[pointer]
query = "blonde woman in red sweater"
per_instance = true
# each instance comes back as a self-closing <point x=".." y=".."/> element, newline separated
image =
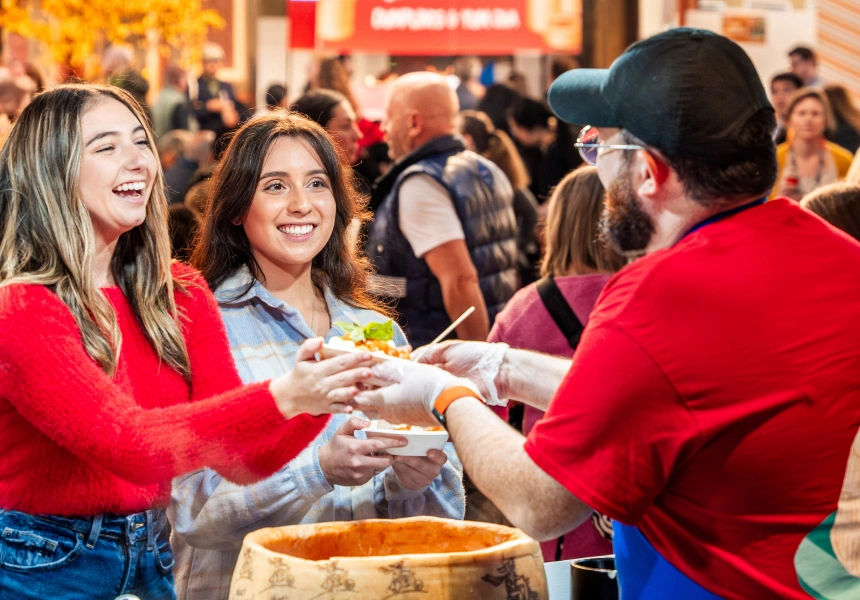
<point x="115" y="370"/>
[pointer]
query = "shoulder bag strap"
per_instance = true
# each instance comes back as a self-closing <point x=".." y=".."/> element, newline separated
<point x="566" y="320"/>
<point x="560" y="310"/>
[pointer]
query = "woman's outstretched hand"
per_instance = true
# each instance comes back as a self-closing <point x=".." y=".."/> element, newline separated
<point x="319" y="387"/>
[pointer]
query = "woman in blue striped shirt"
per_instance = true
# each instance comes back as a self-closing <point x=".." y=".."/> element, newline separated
<point x="274" y="248"/>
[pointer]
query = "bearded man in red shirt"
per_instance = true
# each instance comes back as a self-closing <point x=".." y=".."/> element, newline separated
<point x="711" y="405"/>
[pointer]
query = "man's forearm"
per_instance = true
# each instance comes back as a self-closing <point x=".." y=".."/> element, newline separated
<point x="458" y="295"/>
<point x="451" y="264"/>
<point x="531" y="377"/>
<point x="493" y="455"/>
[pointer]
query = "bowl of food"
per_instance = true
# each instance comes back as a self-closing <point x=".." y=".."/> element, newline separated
<point x="376" y="338"/>
<point x="419" y="440"/>
<point x="416" y="558"/>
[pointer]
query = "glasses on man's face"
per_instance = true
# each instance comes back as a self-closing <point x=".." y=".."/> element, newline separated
<point x="589" y="144"/>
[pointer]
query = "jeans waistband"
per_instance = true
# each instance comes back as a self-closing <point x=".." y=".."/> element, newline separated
<point x="132" y="528"/>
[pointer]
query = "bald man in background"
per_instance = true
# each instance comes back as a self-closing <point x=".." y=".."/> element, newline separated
<point x="444" y="234"/>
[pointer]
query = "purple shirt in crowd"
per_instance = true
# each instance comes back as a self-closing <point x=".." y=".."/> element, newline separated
<point x="526" y="323"/>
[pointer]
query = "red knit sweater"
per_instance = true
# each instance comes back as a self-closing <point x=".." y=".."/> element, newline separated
<point x="76" y="442"/>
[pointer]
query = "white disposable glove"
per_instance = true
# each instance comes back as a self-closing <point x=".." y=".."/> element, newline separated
<point x="415" y="388"/>
<point x="479" y="362"/>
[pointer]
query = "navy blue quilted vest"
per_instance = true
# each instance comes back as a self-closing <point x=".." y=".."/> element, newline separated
<point x="483" y="198"/>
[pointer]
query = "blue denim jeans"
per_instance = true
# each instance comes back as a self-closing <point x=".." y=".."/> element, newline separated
<point x="45" y="557"/>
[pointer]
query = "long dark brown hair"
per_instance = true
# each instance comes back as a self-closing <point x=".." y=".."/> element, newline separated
<point x="318" y="105"/>
<point x="223" y="247"/>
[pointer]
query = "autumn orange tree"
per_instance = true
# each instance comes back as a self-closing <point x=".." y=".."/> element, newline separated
<point x="75" y="32"/>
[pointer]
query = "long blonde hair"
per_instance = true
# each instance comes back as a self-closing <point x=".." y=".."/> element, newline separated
<point x="48" y="237"/>
<point x="573" y="225"/>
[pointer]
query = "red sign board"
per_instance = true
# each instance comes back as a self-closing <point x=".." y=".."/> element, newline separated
<point x="422" y="27"/>
<point x="302" y="24"/>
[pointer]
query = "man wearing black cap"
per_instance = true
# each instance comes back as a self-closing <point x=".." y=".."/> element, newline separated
<point x="714" y="397"/>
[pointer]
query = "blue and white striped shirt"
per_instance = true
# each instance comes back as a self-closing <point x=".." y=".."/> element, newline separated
<point x="211" y="516"/>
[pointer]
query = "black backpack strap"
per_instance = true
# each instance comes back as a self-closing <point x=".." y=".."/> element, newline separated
<point x="560" y="310"/>
<point x="567" y="321"/>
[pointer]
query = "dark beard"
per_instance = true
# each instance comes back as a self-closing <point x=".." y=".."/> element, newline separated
<point x="625" y="226"/>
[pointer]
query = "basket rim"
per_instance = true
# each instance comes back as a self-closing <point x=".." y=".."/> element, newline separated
<point x="518" y="545"/>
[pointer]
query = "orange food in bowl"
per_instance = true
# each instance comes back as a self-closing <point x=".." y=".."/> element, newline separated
<point x="378" y="346"/>
<point x="403" y="427"/>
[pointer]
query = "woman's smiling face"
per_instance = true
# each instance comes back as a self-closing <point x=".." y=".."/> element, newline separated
<point x="118" y="169"/>
<point x="292" y="215"/>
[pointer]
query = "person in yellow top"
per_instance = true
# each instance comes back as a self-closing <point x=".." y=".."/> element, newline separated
<point x="808" y="161"/>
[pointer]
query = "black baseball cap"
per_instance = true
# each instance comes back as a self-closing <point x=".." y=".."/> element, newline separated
<point x="686" y="92"/>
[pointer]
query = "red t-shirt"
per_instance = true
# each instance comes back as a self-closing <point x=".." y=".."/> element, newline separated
<point x="715" y="395"/>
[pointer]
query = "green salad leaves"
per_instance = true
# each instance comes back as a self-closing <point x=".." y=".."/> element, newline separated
<point x="371" y="331"/>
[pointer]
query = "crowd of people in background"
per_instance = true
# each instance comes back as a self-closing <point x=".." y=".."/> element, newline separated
<point x="818" y="129"/>
<point x="818" y="132"/>
<point x="826" y="118"/>
<point x="462" y="195"/>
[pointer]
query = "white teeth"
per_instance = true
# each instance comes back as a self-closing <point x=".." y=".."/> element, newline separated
<point x="297" y="230"/>
<point x="130" y="187"/>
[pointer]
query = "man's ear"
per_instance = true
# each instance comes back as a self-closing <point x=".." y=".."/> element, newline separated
<point x="415" y="123"/>
<point x="655" y="172"/>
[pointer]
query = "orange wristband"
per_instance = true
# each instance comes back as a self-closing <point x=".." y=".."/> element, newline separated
<point x="448" y="396"/>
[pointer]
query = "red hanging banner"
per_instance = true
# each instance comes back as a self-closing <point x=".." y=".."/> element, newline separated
<point x="302" y="14"/>
<point x="426" y="27"/>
